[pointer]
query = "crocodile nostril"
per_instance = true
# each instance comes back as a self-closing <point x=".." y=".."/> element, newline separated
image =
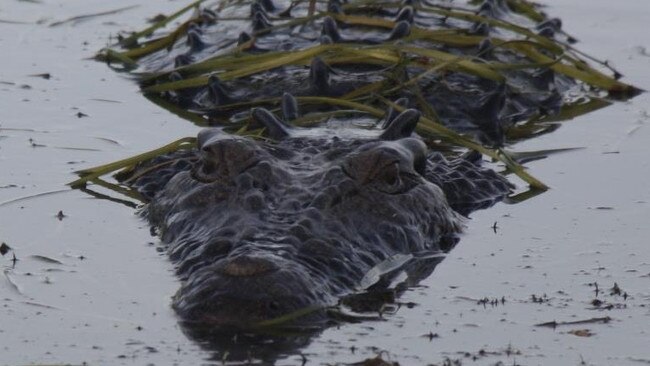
<point x="247" y="266"/>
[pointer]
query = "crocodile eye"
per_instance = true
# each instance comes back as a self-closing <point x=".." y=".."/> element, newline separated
<point x="223" y="156"/>
<point x="382" y="167"/>
<point x="389" y="179"/>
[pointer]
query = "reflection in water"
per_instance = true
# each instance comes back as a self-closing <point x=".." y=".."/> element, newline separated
<point x="249" y="347"/>
<point x="266" y="345"/>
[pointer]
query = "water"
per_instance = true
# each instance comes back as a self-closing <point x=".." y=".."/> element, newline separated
<point x="107" y="301"/>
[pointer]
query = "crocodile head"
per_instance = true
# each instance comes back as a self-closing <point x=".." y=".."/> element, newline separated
<point x="280" y="230"/>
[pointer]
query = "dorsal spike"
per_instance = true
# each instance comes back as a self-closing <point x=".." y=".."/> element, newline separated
<point x="485" y="48"/>
<point x="319" y="75"/>
<point x="402" y="126"/>
<point x="501" y="6"/>
<point x="195" y="27"/>
<point x="407" y="14"/>
<point x="472" y="156"/>
<point x="175" y="76"/>
<point x="182" y="60"/>
<point x="194" y="41"/>
<point x="275" y="128"/>
<point x="286" y="13"/>
<point x="216" y="91"/>
<point x="487" y="10"/>
<point x="267" y="4"/>
<point x="544" y="79"/>
<point x="207" y="15"/>
<point x="260" y="22"/>
<point x="488" y="118"/>
<point x="256" y="7"/>
<point x="418" y="151"/>
<point x="391" y="113"/>
<point x="554" y="23"/>
<point x="334" y="6"/>
<point x="177" y="96"/>
<point x="243" y="38"/>
<point x="325" y="40"/>
<point x="494" y="103"/>
<point x="331" y="29"/>
<point x="289" y="107"/>
<point x="401" y="30"/>
<point x="480" y="29"/>
<point x="547" y="32"/>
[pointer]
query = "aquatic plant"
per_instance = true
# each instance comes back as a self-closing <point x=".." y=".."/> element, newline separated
<point x="421" y="52"/>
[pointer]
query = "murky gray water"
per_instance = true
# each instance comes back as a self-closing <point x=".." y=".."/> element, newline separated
<point x="106" y="299"/>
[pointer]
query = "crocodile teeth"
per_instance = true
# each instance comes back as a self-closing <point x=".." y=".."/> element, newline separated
<point x="194" y="41"/>
<point x="216" y="92"/>
<point x="407" y="14"/>
<point x="289" y="107"/>
<point x="401" y="30"/>
<point x="402" y="126"/>
<point x="330" y="29"/>
<point x="319" y="76"/>
<point x="260" y="22"/>
<point x="275" y="128"/>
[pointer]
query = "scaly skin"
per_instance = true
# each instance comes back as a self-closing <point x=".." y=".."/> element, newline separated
<point x="262" y="229"/>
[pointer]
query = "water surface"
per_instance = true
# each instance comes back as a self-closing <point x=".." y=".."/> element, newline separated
<point x="105" y="297"/>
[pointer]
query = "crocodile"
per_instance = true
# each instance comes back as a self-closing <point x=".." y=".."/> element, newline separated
<point x="288" y="221"/>
<point x="262" y="229"/>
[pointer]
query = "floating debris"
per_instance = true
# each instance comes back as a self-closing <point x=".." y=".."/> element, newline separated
<point x="4" y="248"/>
<point x="555" y="324"/>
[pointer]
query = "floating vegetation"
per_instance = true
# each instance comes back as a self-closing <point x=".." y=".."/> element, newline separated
<point x="207" y="63"/>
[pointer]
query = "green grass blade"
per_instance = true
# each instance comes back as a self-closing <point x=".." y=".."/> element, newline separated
<point x="90" y="174"/>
